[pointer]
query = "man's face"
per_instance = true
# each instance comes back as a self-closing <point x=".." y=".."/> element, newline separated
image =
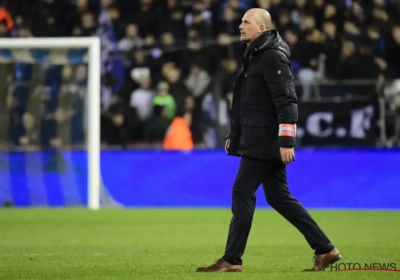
<point x="249" y="29"/>
<point x="82" y="3"/>
<point x="329" y="28"/>
<point x="132" y="30"/>
<point x="163" y="88"/>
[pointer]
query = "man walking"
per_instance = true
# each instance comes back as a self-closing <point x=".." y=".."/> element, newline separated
<point x="263" y="130"/>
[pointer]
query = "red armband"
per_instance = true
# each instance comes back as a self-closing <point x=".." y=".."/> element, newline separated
<point x="287" y="130"/>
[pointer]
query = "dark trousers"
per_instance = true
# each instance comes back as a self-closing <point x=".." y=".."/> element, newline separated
<point x="272" y="176"/>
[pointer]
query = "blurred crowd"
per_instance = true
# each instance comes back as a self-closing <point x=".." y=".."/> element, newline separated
<point x="167" y="59"/>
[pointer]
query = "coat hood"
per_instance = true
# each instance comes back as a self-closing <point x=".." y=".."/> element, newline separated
<point x="268" y="40"/>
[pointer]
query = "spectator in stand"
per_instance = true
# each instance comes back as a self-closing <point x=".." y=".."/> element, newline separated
<point x="178" y="135"/>
<point x="157" y="126"/>
<point x="165" y="99"/>
<point x="6" y="22"/>
<point x="142" y="101"/>
<point x="132" y="40"/>
<point x="177" y="88"/>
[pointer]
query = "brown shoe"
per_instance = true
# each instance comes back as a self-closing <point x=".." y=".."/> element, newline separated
<point x="323" y="261"/>
<point x="220" y="266"/>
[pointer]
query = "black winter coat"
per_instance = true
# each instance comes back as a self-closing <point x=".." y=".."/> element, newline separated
<point x="264" y="97"/>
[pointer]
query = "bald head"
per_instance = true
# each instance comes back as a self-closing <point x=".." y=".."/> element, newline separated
<point x="262" y="17"/>
<point x="254" y="22"/>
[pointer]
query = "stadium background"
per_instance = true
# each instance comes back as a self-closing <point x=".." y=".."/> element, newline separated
<point x="345" y="57"/>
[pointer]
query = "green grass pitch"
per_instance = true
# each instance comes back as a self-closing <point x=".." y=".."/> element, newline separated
<point x="170" y="244"/>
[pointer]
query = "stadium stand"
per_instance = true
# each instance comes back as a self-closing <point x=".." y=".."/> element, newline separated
<point x="162" y="57"/>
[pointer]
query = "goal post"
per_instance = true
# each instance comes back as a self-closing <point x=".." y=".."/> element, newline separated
<point x="92" y="44"/>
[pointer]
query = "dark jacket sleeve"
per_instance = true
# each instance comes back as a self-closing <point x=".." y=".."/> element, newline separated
<point x="235" y="118"/>
<point x="235" y="121"/>
<point x="278" y="76"/>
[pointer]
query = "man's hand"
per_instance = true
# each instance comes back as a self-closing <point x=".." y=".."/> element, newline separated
<point x="227" y="142"/>
<point x="287" y="155"/>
